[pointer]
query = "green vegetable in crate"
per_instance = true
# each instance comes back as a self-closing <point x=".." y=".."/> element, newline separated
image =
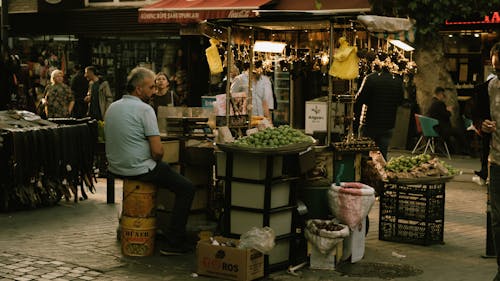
<point x="273" y="138"/>
<point x="418" y="166"/>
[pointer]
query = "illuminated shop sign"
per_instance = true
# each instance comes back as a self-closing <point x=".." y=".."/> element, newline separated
<point x="494" y="18"/>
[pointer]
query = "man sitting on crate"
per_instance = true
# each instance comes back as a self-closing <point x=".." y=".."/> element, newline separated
<point x="134" y="150"/>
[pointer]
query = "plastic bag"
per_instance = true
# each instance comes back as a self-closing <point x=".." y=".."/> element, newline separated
<point x="324" y="239"/>
<point x="345" y="61"/>
<point x="260" y="239"/>
<point x="351" y="202"/>
<point x="213" y="58"/>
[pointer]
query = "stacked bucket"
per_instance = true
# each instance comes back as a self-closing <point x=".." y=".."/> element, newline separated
<point x="138" y="220"/>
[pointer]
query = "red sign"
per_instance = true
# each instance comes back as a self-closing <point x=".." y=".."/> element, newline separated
<point x="191" y="16"/>
<point x="494" y="18"/>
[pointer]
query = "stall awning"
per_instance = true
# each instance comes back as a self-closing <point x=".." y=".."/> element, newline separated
<point x="389" y="27"/>
<point x="324" y="7"/>
<point x="186" y="11"/>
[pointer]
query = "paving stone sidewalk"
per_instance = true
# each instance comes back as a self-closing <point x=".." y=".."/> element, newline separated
<point x="78" y="242"/>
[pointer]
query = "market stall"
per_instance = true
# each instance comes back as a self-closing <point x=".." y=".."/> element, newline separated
<point x="43" y="161"/>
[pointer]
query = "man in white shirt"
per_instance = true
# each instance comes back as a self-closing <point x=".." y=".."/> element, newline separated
<point x="262" y="91"/>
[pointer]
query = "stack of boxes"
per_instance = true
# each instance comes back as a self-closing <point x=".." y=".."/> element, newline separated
<point x="195" y="162"/>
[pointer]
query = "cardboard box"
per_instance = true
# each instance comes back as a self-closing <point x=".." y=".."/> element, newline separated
<point x="166" y="199"/>
<point x="195" y="221"/>
<point x="229" y="262"/>
<point x="326" y="262"/>
<point x="171" y="151"/>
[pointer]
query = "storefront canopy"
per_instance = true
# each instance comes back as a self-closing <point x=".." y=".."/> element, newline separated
<point x="186" y="11"/>
<point x="324" y="7"/>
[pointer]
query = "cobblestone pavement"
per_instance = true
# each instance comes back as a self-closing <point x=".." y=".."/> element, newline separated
<point x="78" y="242"/>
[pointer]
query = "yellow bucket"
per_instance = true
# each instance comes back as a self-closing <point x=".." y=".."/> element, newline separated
<point x="139" y="199"/>
<point x="138" y="236"/>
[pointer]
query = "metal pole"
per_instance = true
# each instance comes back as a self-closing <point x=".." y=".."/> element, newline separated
<point x="330" y="92"/>
<point x="5" y="25"/>
<point x="250" y="82"/>
<point x="228" y="84"/>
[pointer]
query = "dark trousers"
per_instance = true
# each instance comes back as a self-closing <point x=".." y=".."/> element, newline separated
<point x="455" y="138"/>
<point x="494" y="194"/>
<point x="381" y="137"/>
<point x="485" y="151"/>
<point x="163" y="176"/>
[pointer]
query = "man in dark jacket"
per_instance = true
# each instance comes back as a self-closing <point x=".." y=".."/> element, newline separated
<point x="438" y="110"/>
<point x="79" y="87"/>
<point x="479" y="114"/>
<point x="382" y="92"/>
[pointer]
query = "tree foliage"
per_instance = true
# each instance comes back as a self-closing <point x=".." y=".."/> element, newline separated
<point x="430" y="15"/>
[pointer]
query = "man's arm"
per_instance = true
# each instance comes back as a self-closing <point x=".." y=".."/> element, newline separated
<point x="265" y="109"/>
<point x="156" y="147"/>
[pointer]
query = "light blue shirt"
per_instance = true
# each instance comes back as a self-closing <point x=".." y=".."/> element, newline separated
<point x="127" y="125"/>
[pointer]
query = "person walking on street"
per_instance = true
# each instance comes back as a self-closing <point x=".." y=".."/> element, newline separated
<point x="59" y="100"/>
<point x="99" y="96"/>
<point x="79" y="87"/>
<point x="479" y="114"/>
<point x="489" y="126"/>
<point x="134" y="150"/>
<point x="382" y="92"/>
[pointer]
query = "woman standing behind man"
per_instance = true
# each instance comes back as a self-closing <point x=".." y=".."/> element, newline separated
<point x="59" y="99"/>
<point x="164" y="95"/>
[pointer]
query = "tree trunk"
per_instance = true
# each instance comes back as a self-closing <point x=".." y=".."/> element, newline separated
<point x="432" y="72"/>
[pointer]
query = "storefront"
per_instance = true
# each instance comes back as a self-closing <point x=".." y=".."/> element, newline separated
<point x="466" y="46"/>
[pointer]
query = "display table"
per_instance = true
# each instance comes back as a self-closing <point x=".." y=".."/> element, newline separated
<point x="412" y="210"/>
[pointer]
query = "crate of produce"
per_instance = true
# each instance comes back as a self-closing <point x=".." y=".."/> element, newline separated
<point x="403" y="202"/>
<point x="418" y="187"/>
<point x="394" y="229"/>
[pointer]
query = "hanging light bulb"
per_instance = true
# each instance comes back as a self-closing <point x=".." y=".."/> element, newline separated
<point x="325" y="59"/>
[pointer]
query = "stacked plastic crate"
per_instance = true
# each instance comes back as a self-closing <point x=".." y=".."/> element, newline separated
<point x="257" y="194"/>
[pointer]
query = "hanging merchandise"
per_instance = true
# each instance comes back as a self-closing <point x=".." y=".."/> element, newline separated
<point x="345" y="61"/>
<point x="213" y="58"/>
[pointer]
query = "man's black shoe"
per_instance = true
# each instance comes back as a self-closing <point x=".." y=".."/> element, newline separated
<point x="481" y="174"/>
<point x="175" y="250"/>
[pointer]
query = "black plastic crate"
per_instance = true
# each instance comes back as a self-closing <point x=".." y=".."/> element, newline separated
<point x="410" y="231"/>
<point x="417" y="188"/>
<point x="413" y="207"/>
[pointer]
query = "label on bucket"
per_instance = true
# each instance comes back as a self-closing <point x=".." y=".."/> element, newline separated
<point x="137" y="236"/>
<point x="138" y="242"/>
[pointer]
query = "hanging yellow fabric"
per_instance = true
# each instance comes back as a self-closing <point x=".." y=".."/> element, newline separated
<point x="345" y="61"/>
<point x="213" y="58"/>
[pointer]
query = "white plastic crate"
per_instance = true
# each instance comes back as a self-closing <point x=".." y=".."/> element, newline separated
<point x="280" y="252"/>
<point x="248" y="166"/>
<point x="252" y="195"/>
<point x="243" y="221"/>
